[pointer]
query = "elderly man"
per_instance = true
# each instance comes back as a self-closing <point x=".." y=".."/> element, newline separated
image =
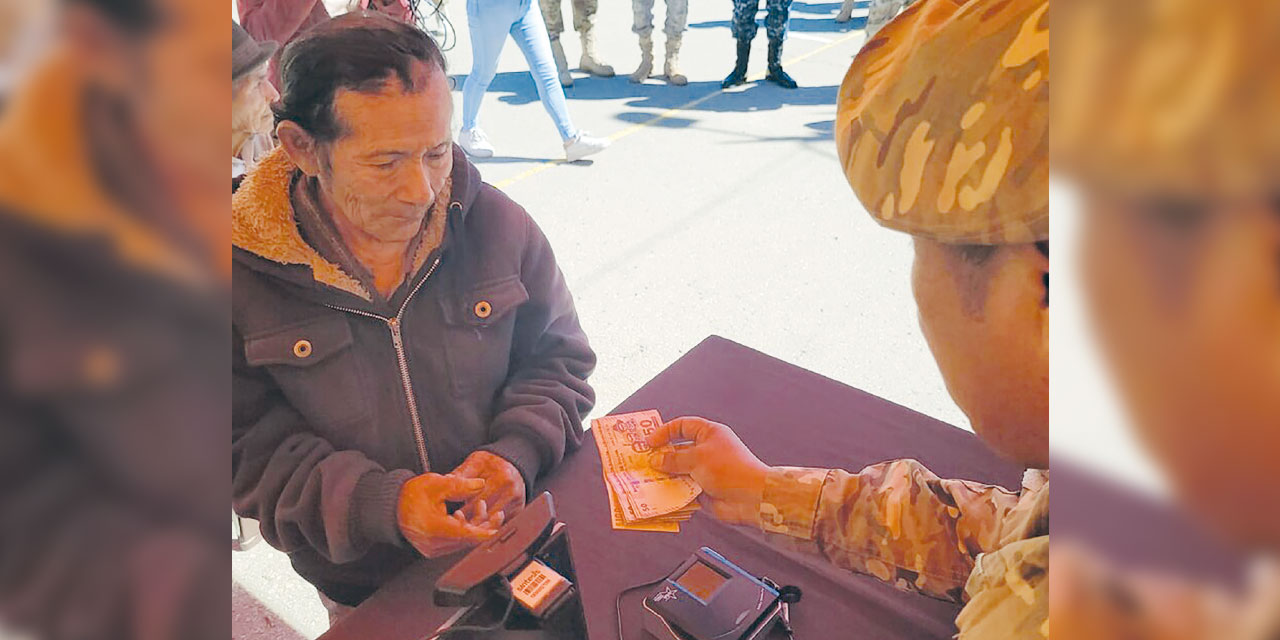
<point x="394" y="319"/>
<point x="114" y="258"/>
<point x="251" y="98"/>
<point x="960" y="161"/>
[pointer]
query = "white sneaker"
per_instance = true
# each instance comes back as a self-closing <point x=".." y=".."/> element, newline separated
<point x="582" y="146"/>
<point x="475" y="143"/>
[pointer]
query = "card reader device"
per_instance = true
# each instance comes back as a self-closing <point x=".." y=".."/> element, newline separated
<point x="708" y="597"/>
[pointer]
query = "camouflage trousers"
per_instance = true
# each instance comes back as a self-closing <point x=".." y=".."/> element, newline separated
<point x="584" y="16"/>
<point x="677" y="17"/>
<point x="744" y="25"/>
<point x="881" y="12"/>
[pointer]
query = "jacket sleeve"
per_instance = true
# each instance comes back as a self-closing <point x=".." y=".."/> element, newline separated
<point x="895" y="520"/>
<point x="78" y="552"/>
<point x="538" y="413"/>
<point x="303" y="492"/>
<point x="275" y="20"/>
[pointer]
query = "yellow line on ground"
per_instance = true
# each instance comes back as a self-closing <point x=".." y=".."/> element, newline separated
<point x="670" y="113"/>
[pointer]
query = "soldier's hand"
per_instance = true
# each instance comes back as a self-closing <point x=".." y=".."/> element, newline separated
<point x="732" y="478"/>
<point x="426" y="523"/>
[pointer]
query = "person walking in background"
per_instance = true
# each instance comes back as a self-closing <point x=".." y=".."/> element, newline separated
<point x="744" y="29"/>
<point x="282" y="20"/>
<point x="490" y="22"/>
<point x="584" y="19"/>
<point x="251" y="98"/>
<point x="677" y="22"/>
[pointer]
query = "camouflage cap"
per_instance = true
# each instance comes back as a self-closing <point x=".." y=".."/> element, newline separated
<point x="1169" y="95"/>
<point x="943" y="122"/>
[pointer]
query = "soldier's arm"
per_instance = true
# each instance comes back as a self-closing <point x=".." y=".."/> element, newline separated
<point x="895" y="520"/>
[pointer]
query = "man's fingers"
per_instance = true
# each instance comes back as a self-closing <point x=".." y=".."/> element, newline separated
<point x="680" y="429"/>
<point x="682" y="460"/>
<point x="458" y="489"/>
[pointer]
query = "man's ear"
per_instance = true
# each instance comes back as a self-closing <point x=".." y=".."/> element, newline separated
<point x="1033" y="256"/>
<point x="300" y="146"/>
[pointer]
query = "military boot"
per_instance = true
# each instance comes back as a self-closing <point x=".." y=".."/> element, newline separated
<point x="739" y="74"/>
<point x="562" y="65"/>
<point x="671" y="67"/>
<point x="590" y="61"/>
<point x="776" y="74"/>
<point x="645" y="69"/>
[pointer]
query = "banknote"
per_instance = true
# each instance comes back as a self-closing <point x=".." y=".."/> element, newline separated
<point x="641" y="493"/>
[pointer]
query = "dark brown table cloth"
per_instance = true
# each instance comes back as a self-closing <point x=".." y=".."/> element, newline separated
<point x="788" y="416"/>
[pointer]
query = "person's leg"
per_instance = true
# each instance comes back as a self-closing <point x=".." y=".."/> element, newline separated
<point x="879" y="14"/>
<point x="846" y="11"/>
<point x="642" y="25"/>
<point x="489" y="30"/>
<point x="743" y="26"/>
<point x="553" y="16"/>
<point x="584" y="20"/>
<point x="531" y="35"/>
<point x="775" y="23"/>
<point x="677" y="21"/>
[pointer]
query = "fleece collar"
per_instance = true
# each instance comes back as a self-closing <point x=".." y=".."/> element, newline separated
<point x="264" y="224"/>
<point x="47" y="176"/>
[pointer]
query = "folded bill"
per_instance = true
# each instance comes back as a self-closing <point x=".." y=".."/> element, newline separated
<point x="641" y="498"/>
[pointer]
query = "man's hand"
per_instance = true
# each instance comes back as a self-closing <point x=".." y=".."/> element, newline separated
<point x="732" y="478"/>
<point x="425" y="520"/>
<point x="503" y="487"/>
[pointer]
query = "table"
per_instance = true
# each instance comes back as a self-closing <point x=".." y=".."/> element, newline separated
<point x="788" y="416"/>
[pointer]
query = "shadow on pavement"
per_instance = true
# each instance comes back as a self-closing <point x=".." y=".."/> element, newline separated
<point x="516" y="87"/>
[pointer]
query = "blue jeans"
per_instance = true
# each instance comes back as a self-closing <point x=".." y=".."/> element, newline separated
<point x="490" y="21"/>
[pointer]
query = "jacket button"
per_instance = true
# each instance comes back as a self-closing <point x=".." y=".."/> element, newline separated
<point x="483" y="309"/>
<point x="302" y="348"/>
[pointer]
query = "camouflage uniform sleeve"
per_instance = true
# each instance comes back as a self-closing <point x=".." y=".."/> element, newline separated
<point x="895" y="520"/>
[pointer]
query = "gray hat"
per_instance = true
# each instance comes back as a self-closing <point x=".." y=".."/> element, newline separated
<point x="247" y="53"/>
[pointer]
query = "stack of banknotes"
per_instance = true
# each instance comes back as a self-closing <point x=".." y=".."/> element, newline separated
<point x="641" y="498"/>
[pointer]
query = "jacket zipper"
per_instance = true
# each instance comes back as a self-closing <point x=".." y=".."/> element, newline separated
<point x="402" y="359"/>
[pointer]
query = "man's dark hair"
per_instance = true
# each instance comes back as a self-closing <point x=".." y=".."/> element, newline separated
<point x="359" y="51"/>
<point x="132" y="16"/>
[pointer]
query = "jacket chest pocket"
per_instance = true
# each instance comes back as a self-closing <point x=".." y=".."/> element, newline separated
<point x="317" y="368"/>
<point x="479" y="328"/>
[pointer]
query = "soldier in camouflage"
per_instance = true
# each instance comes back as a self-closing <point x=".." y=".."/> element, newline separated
<point x="676" y="23"/>
<point x="584" y="19"/>
<point x="744" y="27"/>
<point x="959" y="160"/>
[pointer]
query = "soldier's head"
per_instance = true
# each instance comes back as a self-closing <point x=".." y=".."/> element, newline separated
<point x="956" y="154"/>
<point x="365" y="108"/>
<point x="1167" y="126"/>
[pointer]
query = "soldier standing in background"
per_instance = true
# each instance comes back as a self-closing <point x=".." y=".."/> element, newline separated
<point x="744" y="29"/>
<point x="676" y="23"/>
<point x="584" y="19"/>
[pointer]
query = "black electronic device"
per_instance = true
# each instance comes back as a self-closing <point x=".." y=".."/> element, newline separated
<point x="710" y="598"/>
<point x="526" y="563"/>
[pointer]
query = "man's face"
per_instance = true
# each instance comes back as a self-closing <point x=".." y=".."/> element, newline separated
<point x="382" y="174"/>
<point x="1187" y="303"/>
<point x="251" y="104"/>
<point x="985" y="316"/>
